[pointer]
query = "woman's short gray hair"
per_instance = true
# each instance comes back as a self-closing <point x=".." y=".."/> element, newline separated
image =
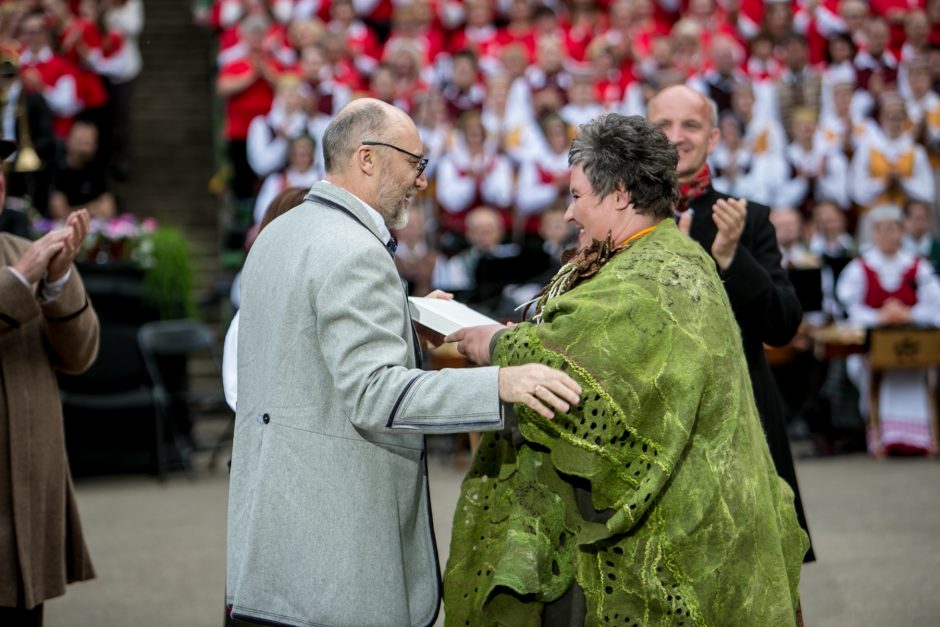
<point x="619" y="152"/>
<point x="347" y="131"/>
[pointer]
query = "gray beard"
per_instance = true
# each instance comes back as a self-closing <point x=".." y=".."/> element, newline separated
<point x="399" y="219"/>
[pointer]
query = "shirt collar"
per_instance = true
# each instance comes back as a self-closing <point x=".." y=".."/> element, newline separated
<point x="377" y="218"/>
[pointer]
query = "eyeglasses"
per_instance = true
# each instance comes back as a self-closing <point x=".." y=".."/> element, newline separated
<point x="422" y="161"/>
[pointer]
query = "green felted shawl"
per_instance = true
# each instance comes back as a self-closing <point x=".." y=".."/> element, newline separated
<point x="698" y="530"/>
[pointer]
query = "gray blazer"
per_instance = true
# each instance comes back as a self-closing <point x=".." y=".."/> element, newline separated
<point x="328" y="519"/>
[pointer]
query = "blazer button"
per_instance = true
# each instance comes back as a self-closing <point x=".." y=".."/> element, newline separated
<point x="266" y="419"/>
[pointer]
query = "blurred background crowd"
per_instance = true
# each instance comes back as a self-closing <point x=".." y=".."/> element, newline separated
<point x="177" y="134"/>
<point x="67" y="75"/>
<point x="827" y="109"/>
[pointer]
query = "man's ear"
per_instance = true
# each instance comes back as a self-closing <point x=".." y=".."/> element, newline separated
<point x="365" y="160"/>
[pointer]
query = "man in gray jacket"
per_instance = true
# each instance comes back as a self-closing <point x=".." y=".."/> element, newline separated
<point x="329" y="521"/>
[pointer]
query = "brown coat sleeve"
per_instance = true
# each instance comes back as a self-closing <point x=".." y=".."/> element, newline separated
<point x="71" y="327"/>
<point x="18" y="304"/>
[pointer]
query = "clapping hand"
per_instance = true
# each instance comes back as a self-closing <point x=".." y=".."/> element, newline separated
<point x="34" y="262"/>
<point x="76" y="227"/>
<point x="685" y="221"/>
<point x="729" y="216"/>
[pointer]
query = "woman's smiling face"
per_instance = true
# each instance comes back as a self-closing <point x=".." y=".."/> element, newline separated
<point x="594" y="217"/>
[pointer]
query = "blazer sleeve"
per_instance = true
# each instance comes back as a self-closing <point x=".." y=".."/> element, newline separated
<point x="362" y="317"/>
<point x="71" y="327"/>
<point x="757" y="282"/>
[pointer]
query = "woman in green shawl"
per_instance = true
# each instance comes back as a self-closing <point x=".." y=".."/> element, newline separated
<point x="654" y="501"/>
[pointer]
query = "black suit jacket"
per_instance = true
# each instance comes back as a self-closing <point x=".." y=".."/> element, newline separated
<point x="767" y="310"/>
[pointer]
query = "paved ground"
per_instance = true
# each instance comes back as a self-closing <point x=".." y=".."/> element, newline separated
<point x="159" y="550"/>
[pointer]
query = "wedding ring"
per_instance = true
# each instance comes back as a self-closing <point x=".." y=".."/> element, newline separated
<point x="535" y="392"/>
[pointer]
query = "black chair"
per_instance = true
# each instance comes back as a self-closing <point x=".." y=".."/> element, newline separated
<point x="167" y="347"/>
<point x="109" y="410"/>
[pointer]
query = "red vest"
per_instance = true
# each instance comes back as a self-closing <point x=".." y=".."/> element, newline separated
<point x="876" y="295"/>
<point x="457" y="222"/>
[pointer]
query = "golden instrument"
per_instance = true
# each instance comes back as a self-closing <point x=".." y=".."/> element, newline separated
<point x="27" y="160"/>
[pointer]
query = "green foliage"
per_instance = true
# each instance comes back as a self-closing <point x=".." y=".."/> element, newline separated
<point x="168" y="277"/>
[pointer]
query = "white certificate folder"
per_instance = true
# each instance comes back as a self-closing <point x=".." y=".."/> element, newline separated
<point x="445" y="316"/>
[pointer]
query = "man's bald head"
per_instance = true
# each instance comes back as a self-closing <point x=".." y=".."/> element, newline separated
<point x="690" y="121"/>
<point x="364" y="119"/>
<point x="684" y="94"/>
<point x="373" y="150"/>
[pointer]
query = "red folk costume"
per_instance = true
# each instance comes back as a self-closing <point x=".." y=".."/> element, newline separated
<point x="610" y="89"/>
<point x="580" y="34"/>
<point x="887" y="9"/>
<point x="865" y="287"/>
<point x="362" y="44"/>
<point x="485" y="42"/>
<point x="376" y="11"/>
<point x="59" y="86"/>
<point x="899" y="433"/>
<point x="538" y="188"/>
<point x="80" y="38"/>
<point x="466" y="181"/>
<point x="876" y="295"/>
<point x="508" y="36"/>
<point x="241" y="108"/>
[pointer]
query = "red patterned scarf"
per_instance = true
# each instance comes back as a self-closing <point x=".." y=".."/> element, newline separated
<point x="693" y="189"/>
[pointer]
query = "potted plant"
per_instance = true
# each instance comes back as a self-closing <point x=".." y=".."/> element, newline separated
<point x="155" y="257"/>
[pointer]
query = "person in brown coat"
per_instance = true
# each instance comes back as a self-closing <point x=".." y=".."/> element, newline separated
<point x="46" y="324"/>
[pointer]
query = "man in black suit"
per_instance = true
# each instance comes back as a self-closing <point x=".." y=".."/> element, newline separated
<point x="742" y="242"/>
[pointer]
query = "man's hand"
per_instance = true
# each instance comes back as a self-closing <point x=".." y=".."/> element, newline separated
<point x="729" y="216"/>
<point x="685" y="221"/>
<point x="440" y="294"/>
<point x="35" y="260"/>
<point x="543" y="389"/>
<point x="77" y="227"/>
<point x="474" y="342"/>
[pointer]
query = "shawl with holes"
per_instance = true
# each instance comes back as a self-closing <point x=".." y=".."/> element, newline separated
<point x="697" y="527"/>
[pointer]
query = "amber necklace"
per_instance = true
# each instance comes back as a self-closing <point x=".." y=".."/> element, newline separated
<point x="636" y="235"/>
